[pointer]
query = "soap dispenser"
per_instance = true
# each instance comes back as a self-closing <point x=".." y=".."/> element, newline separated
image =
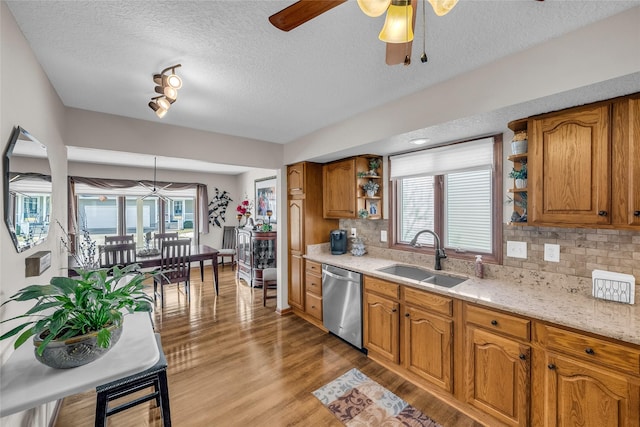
<point x="479" y="267"/>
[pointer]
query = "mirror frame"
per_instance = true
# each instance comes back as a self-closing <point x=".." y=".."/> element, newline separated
<point x="15" y="136"/>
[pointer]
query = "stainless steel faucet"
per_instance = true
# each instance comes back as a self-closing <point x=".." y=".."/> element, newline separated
<point x="440" y="254"/>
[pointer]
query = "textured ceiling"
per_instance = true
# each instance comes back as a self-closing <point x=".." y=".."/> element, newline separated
<point x="246" y="78"/>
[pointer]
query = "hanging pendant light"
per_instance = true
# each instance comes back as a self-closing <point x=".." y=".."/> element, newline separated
<point x="374" y="8"/>
<point x="442" y="7"/>
<point x="397" y="26"/>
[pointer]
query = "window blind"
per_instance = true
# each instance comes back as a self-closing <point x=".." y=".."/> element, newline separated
<point x="442" y="160"/>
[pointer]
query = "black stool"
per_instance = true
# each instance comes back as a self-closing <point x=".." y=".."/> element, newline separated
<point x="155" y="376"/>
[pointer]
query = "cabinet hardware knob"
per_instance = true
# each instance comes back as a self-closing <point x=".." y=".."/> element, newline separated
<point x="406" y="315"/>
<point x="551" y="366"/>
<point x="589" y="350"/>
<point x="602" y="213"/>
<point x="494" y="322"/>
<point x="636" y="213"/>
<point x="523" y="357"/>
<point x="394" y="310"/>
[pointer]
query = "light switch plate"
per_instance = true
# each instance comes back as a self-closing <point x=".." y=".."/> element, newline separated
<point x="383" y="235"/>
<point x="551" y="252"/>
<point x="516" y="249"/>
<point x="353" y="232"/>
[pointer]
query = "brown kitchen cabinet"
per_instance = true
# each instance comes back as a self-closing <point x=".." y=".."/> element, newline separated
<point x="313" y="290"/>
<point x="305" y="226"/>
<point x="569" y="154"/>
<point x="381" y="323"/>
<point x="586" y="381"/>
<point x="582" y="167"/>
<point x="498" y="364"/>
<point x="427" y="337"/>
<point x="344" y="196"/>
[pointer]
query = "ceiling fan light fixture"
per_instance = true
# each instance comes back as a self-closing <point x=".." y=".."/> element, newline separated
<point x="374" y="8"/>
<point x="398" y="23"/>
<point x="442" y="7"/>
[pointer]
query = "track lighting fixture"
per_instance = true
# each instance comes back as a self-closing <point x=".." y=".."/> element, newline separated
<point x="167" y="87"/>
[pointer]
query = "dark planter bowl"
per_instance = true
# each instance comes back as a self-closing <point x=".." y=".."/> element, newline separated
<point x="76" y="351"/>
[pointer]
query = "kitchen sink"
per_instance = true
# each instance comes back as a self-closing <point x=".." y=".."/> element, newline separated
<point x="421" y="275"/>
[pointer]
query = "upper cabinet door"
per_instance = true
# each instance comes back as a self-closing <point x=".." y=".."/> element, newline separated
<point x="295" y="179"/>
<point x="625" y="186"/>
<point x="339" y="189"/>
<point x="570" y="172"/>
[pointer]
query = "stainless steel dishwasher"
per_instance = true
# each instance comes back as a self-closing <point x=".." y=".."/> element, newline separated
<point x="342" y="303"/>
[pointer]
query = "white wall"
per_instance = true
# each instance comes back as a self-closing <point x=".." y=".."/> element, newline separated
<point x="602" y="51"/>
<point x="28" y="100"/>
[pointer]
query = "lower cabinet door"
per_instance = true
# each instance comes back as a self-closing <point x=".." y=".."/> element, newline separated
<point x="498" y="376"/>
<point x="578" y="394"/>
<point x="382" y="327"/>
<point x="428" y="346"/>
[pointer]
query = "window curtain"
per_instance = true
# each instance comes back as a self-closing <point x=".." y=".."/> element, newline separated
<point x="121" y="185"/>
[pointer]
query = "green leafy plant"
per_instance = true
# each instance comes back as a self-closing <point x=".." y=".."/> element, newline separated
<point x="71" y="306"/>
<point x="362" y="174"/>
<point x="363" y="213"/>
<point x="370" y="186"/>
<point x="374" y="162"/>
<point x="519" y="174"/>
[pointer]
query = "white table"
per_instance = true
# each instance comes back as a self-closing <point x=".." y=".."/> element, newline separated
<point x="26" y="383"/>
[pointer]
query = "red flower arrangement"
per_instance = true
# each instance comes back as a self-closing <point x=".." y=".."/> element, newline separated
<point x="244" y="207"/>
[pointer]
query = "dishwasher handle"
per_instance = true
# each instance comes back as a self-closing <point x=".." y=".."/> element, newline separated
<point x="340" y="274"/>
<point x="336" y="276"/>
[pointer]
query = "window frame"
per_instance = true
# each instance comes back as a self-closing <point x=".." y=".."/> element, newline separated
<point x="495" y="257"/>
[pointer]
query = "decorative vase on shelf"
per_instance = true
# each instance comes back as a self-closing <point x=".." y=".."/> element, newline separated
<point x="371" y="193"/>
<point x="521" y="183"/>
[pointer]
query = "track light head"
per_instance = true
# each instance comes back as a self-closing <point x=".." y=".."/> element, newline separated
<point x="160" y="112"/>
<point x="167" y="86"/>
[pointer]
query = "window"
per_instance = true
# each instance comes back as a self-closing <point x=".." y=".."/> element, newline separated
<point x="454" y="191"/>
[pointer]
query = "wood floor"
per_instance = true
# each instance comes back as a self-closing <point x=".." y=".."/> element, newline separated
<point x="233" y="362"/>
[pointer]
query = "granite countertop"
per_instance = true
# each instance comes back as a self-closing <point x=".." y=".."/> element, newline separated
<point x="557" y="304"/>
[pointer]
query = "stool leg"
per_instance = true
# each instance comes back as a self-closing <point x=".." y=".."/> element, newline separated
<point x="101" y="410"/>
<point x="164" y="399"/>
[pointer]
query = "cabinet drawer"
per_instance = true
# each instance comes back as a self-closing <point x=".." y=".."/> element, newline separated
<point x="313" y="283"/>
<point x="379" y="286"/>
<point x="499" y="322"/>
<point x="604" y="353"/>
<point x="314" y="305"/>
<point x="429" y="301"/>
<point x="314" y="267"/>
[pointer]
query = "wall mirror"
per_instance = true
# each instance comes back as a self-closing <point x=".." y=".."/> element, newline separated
<point x="27" y="190"/>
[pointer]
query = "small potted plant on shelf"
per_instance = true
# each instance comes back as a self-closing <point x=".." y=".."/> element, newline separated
<point x="519" y="142"/>
<point x="520" y="175"/>
<point x="363" y="213"/>
<point x="374" y="163"/>
<point x="370" y="188"/>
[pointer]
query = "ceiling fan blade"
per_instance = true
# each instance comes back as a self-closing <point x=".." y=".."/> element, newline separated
<point x="396" y="52"/>
<point x="300" y="12"/>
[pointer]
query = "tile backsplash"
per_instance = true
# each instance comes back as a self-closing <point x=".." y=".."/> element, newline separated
<point x="581" y="251"/>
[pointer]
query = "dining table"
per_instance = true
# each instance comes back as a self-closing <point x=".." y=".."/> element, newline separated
<point x="199" y="253"/>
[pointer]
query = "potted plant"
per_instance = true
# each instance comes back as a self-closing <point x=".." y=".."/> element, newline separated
<point x="374" y="163"/>
<point x="371" y="188"/>
<point x="519" y="143"/>
<point x="520" y="175"/>
<point x="75" y="320"/>
<point x="363" y="213"/>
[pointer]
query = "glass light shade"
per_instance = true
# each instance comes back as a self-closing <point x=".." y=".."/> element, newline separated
<point x="442" y="7"/>
<point x="160" y="112"/>
<point x="374" y="8"/>
<point x="174" y="81"/>
<point x="397" y="26"/>
<point x="163" y="103"/>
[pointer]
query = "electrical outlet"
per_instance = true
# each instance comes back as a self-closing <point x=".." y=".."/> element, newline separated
<point x="551" y="252"/>
<point x="383" y="235"/>
<point x="353" y="232"/>
<point x="516" y="249"/>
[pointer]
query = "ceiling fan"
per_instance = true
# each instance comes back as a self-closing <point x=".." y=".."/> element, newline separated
<point x="397" y="51"/>
<point x="155" y="192"/>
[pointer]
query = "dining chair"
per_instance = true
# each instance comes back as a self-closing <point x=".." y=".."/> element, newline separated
<point x="174" y="267"/>
<point x="158" y="238"/>
<point x="114" y="240"/>
<point x="121" y="254"/>
<point x="228" y="246"/>
<point x="155" y="376"/>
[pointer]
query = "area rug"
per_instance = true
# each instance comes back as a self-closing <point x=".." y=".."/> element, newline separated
<point x="357" y="400"/>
